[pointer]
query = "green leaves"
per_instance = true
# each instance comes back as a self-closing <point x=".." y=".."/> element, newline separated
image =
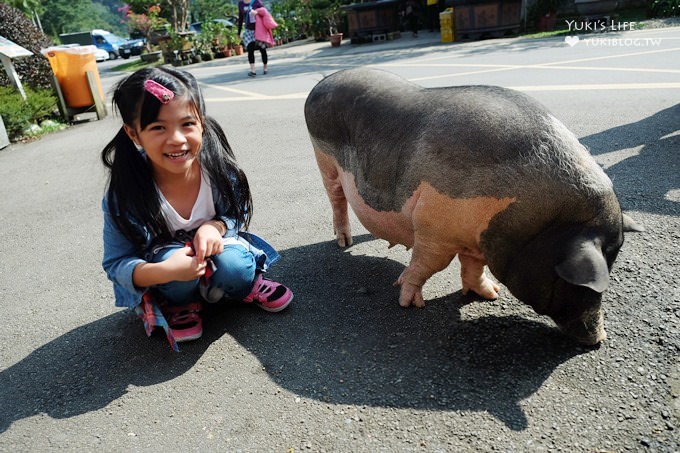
<point x="18" y="114"/>
<point x="34" y="71"/>
<point x="666" y="8"/>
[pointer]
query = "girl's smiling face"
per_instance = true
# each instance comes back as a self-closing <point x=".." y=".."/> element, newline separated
<point x="171" y="142"/>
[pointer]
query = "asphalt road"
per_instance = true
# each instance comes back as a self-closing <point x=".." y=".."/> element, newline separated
<point x="345" y="368"/>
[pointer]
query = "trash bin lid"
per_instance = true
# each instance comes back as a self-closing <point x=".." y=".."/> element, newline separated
<point x="68" y="48"/>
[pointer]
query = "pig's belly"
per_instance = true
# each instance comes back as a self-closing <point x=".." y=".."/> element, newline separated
<point x="396" y="227"/>
<point x="433" y="219"/>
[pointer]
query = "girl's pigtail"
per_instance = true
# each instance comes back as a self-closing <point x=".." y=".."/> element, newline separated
<point x="218" y="159"/>
<point x="132" y="193"/>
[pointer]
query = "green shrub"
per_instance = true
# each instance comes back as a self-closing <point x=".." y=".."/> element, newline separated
<point x="42" y="104"/>
<point x="18" y="114"/>
<point x="35" y="70"/>
<point x="14" y="111"/>
<point x="665" y="8"/>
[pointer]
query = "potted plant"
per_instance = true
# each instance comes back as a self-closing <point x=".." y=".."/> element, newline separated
<point x="234" y="40"/>
<point x="206" y="40"/>
<point x="145" y="24"/>
<point x="177" y="48"/>
<point x="333" y="18"/>
<point x="215" y="38"/>
<point x="324" y="19"/>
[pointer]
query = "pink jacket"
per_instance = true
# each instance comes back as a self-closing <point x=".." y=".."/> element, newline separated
<point x="264" y="24"/>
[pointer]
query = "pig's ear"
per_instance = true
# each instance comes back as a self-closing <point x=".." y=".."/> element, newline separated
<point x="585" y="266"/>
<point x="630" y="225"/>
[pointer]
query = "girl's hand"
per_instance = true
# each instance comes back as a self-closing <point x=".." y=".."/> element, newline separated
<point x="208" y="240"/>
<point x="183" y="266"/>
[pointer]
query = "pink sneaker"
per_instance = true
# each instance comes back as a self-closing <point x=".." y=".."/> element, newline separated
<point x="185" y="322"/>
<point x="269" y="295"/>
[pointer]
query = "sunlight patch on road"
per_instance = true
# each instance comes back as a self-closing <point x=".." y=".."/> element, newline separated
<point x="609" y="57"/>
<point x="673" y="195"/>
<point x="526" y="88"/>
<point x="601" y="86"/>
<point x="261" y="97"/>
<point x="490" y="68"/>
<point x="477" y="68"/>
<point x="612" y="158"/>
<point x="496" y="67"/>
<point x="233" y="90"/>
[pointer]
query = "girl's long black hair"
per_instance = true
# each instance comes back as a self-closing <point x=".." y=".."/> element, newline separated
<point x="132" y="195"/>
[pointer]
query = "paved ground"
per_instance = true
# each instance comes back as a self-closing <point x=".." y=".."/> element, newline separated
<point x="346" y="369"/>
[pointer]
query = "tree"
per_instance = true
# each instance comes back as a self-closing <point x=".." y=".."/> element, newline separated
<point x="206" y="10"/>
<point x="31" y="8"/>
<point x="177" y="12"/>
<point x="180" y="14"/>
<point x="68" y="16"/>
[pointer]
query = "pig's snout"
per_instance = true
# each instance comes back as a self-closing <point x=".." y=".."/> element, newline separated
<point x="588" y="329"/>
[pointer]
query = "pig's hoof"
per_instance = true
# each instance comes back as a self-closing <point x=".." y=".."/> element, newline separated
<point x="411" y="295"/>
<point x="344" y="239"/>
<point x="487" y="289"/>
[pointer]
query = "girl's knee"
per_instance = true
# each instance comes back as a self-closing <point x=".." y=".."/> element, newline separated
<point x="179" y="293"/>
<point x="164" y="253"/>
<point x="235" y="271"/>
<point x="175" y="292"/>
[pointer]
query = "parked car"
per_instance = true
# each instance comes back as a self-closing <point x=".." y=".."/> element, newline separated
<point x="100" y="54"/>
<point x="131" y="47"/>
<point x="100" y="38"/>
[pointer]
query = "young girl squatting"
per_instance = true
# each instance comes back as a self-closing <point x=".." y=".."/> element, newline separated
<point x="177" y="209"/>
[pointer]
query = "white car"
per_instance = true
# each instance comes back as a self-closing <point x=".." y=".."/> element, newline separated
<point x="100" y="54"/>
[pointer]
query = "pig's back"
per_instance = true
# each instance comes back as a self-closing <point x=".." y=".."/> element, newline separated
<point x="467" y="141"/>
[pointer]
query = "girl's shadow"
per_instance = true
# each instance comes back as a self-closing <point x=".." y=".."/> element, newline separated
<point x="344" y="340"/>
<point x="89" y="367"/>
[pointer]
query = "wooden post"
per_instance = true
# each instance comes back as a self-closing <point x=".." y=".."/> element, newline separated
<point x="98" y="101"/>
<point x="12" y="74"/>
<point x="61" y="102"/>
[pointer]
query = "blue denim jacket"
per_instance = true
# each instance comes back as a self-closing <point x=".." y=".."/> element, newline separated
<point x="121" y="256"/>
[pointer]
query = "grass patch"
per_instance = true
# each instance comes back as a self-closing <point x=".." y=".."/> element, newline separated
<point x="547" y="34"/>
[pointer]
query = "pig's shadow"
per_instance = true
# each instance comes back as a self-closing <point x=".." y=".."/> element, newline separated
<point x="643" y="181"/>
<point x="344" y="340"/>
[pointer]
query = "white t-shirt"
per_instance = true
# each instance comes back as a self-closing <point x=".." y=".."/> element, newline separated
<point x="203" y="210"/>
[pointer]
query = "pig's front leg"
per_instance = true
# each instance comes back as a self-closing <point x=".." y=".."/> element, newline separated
<point x="473" y="277"/>
<point x="425" y="262"/>
<point x="336" y="194"/>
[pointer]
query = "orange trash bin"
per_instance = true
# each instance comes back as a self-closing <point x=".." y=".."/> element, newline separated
<point x="70" y="65"/>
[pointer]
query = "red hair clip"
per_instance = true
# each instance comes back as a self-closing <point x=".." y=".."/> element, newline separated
<point x="164" y="95"/>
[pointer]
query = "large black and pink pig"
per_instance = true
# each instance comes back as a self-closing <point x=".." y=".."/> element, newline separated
<point x="479" y="172"/>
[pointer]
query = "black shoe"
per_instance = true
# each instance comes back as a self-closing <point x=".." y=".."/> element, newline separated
<point x="251" y="74"/>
